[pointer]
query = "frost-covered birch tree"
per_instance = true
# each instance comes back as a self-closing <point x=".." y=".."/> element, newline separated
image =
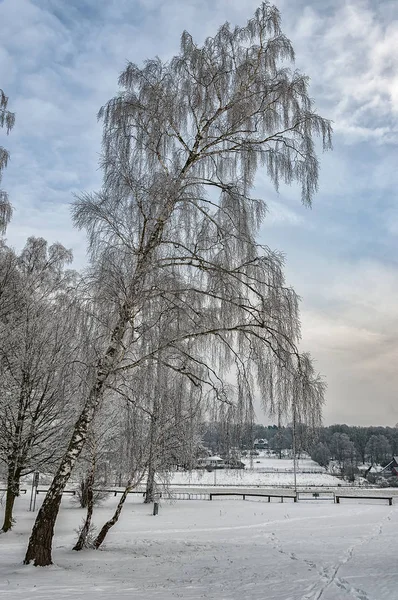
<point x="173" y="229"/>
<point x="7" y="121"/>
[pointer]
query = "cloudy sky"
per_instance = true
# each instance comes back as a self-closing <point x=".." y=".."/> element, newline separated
<point x="59" y="63"/>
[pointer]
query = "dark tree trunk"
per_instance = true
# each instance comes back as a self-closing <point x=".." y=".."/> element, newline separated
<point x="39" y="547"/>
<point x="40" y="542"/>
<point x="153" y="438"/>
<point x="150" y="483"/>
<point x="12" y="493"/>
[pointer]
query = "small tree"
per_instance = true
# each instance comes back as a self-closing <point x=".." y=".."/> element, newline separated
<point x="35" y="354"/>
<point x="282" y="440"/>
<point x="378" y="449"/>
<point x="321" y="454"/>
<point x="359" y="436"/>
<point x="343" y="450"/>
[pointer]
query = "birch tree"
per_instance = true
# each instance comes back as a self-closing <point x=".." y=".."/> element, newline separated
<point x="173" y="229"/>
<point x="7" y="121"/>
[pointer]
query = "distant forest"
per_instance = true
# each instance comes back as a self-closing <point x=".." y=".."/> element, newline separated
<point x="348" y="445"/>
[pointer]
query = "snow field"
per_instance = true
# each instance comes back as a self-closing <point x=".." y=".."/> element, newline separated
<point x="262" y="471"/>
<point x="237" y="477"/>
<point x="224" y="550"/>
<point x="282" y="464"/>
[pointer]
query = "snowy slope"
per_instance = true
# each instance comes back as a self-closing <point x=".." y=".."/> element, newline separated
<point x="252" y="478"/>
<point x="261" y="471"/>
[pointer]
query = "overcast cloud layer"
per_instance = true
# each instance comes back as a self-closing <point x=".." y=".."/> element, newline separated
<point x="59" y="63"/>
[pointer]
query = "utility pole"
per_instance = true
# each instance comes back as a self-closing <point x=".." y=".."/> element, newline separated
<point x="294" y="447"/>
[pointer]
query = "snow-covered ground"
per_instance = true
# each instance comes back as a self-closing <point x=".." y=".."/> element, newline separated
<point x="224" y="550"/>
<point x="265" y="463"/>
<point x="251" y="478"/>
<point x="265" y="472"/>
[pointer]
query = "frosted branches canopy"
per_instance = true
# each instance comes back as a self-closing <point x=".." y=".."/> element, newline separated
<point x="7" y="121"/>
<point x="173" y="230"/>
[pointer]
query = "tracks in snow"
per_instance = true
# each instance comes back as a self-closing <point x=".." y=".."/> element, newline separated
<point x="329" y="575"/>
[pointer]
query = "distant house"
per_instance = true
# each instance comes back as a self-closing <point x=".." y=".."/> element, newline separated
<point x="391" y="468"/>
<point x="260" y="444"/>
<point x="365" y="469"/>
<point x="216" y="462"/>
<point x="211" y="462"/>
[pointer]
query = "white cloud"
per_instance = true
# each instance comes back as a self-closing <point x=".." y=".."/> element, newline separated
<point x="59" y="62"/>
<point x="351" y="327"/>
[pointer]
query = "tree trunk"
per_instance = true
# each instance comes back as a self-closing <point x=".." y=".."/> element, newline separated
<point x="153" y="439"/>
<point x="12" y="493"/>
<point x="132" y="483"/>
<point x="150" y="482"/>
<point x="39" y="547"/>
<point x="81" y="542"/>
<point x="104" y="530"/>
<point x="40" y="542"/>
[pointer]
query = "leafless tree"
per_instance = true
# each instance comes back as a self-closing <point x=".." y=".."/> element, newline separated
<point x="37" y="346"/>
<point x="135" y="435"/>
<point x="172" y="405"/>
<point x="7" y="121"/>
<point x="157" y="431"/>
<point x="378" y="450"/>
<point x="173" y="230"/>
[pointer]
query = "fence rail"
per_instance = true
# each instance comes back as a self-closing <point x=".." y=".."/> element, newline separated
<point x="389" y="498"/>
<point x="250" y="494"/>
<point x="209" y="494"/>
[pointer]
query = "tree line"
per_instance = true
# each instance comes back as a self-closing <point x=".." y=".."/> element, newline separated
<point x="182" y="315"/>
<point x="342" y="443"/>
<point x="351" y="446"/>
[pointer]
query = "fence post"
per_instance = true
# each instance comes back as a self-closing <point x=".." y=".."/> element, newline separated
<point x="35" y="483"/>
